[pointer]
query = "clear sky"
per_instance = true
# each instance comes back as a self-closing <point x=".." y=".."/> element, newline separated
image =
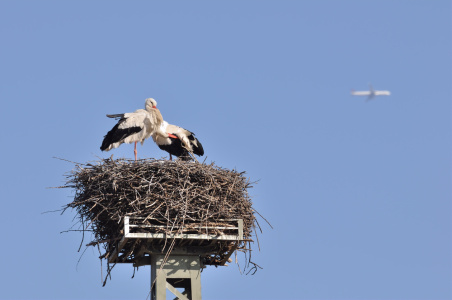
<point x="358" y="193"/>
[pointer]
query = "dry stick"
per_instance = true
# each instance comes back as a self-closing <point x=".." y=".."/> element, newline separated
<point x="108" y="273"/>
<point x="257" y="238"/>
<point x="263" y="218"/>
<point x="83" y="234"/>
<point x="101" y="267"/>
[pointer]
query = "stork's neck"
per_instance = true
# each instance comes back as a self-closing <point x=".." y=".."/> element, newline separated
<point x="164" y="125"/>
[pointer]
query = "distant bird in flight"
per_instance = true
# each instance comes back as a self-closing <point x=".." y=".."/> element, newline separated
<point x="371" y="93"/>
<point x="135" y="127"/>
<point x="180" y="142"/>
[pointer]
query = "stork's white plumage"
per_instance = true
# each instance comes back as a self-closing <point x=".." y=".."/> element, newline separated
<point x="179" y="142"/>
<point x="135" y="127"/>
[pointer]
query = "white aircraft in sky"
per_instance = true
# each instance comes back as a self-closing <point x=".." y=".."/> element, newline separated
<point x="371" y="93"/>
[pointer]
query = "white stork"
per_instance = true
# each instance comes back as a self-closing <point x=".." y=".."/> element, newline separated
<point x="180" y="142"/>
<point x="135" y="127"/>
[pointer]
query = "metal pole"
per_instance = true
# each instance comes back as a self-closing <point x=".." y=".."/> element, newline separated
<point x="179" y="271"/>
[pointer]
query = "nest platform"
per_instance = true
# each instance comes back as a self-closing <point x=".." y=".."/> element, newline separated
<point x="139" y="208"/>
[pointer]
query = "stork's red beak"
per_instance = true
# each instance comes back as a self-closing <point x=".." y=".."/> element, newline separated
<point x="172" y="136"/>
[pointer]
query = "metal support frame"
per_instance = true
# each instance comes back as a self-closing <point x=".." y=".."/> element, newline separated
<point x="130" y="235"/>
<point x="179" y="271"/>
<point x="128" y="227"/>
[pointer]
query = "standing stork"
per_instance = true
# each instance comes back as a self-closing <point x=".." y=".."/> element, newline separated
<point x="179" y="142"/>
<point x="135" y="127"/>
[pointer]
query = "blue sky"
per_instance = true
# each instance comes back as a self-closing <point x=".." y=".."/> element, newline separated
<point x="358" y="193"/>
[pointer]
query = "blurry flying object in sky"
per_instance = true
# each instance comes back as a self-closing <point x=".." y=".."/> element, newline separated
<point x="371" y="93"/>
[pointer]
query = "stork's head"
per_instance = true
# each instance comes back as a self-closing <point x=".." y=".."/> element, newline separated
<point x="150" y="103"/>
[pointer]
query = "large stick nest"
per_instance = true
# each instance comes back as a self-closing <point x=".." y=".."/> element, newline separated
<point x="178" y="195"/>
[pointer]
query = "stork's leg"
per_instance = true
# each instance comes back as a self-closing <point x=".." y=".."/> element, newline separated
<point x="170" y="157"/>
<point x="135" y="150"/>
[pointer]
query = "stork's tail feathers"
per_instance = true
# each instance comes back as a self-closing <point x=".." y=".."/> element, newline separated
<point x="196" y="145"/>
<point x="116" y="116"/>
